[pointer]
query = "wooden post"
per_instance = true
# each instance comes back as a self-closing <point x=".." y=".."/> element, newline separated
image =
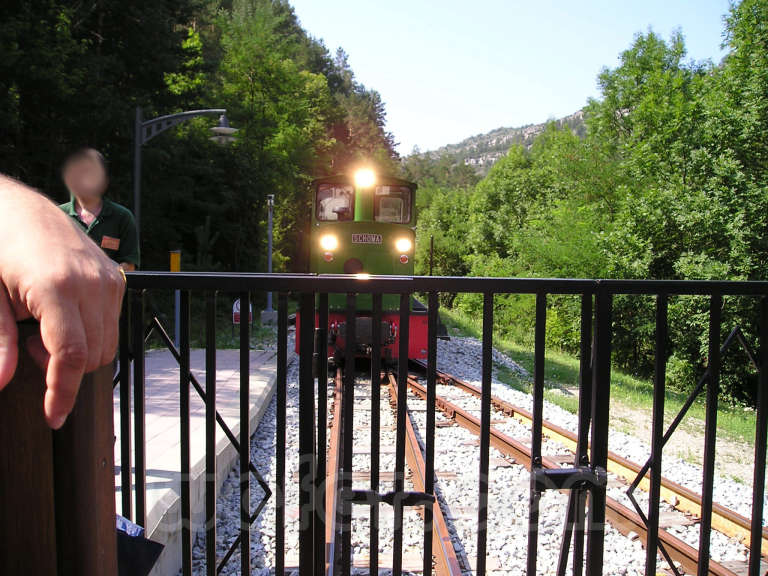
<point x="57" y="489"/>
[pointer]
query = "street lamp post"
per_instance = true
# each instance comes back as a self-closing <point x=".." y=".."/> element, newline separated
<point x="145" y="130"/>
<point x="271" y="206"/>
<point x="269" y="316"/>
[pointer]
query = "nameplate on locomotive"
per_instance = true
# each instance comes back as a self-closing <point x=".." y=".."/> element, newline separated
<point x="366" y="238"/>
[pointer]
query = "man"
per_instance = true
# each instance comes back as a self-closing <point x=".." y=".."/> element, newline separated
<point x="107" y="223"/>
<point x="50" y="271"/>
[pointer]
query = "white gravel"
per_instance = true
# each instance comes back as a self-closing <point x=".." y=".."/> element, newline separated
<point x="508" y="506"/>
<point x="462" y="357"/>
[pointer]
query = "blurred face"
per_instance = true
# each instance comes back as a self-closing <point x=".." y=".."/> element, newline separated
<point x="85" y="178"/>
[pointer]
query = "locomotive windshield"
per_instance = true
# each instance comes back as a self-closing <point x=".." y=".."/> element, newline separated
<point x="392" y="204"/>
<point x="335" y="202"/>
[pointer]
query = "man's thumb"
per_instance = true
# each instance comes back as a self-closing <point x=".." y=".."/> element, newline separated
<point x="9" y="339"/>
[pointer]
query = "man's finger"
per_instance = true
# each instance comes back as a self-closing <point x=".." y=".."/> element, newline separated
<point x="37" y="352"/>
<point x="9" y="335"/>
<point x="63" y="335"/>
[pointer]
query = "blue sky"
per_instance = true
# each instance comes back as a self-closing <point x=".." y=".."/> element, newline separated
<point x="449" y="69"/>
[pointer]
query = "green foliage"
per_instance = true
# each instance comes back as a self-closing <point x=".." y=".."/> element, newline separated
<point x="668" y="181"/>
<point x="191" y="79"/>
<point x="442" y="171"/>
<point x="71" y="75"/>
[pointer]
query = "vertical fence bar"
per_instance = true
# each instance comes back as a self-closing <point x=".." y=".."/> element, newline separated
<point x="574" y="525"/>
<point x="347" y="423"/>
<point x="186" y="509"/>
<point x="485" y="434"/>
<point x="710" y="433"/>
<point x="585" y="413"/>
<point x="571" y="518"/>
<point x="322" y="430"/>
<point x="321" y="353"/>
<point x="280" y="428"/>
<point x="429" y="460"/>
<point x="601" y="388"/>
<point x="245" y="433"/>
<point x="657" y="435"/>
<point x="536" y="427"/>
<point x="139" y="417"/>
<point x="373" y="556"/>
<point x="306" y="436"/>
<point x="402" y="408"/>
<point x="761" y="430"/>
<point x="210" y="434"/>
<point x="586" y="355"/>
<point x="125" y="412"/>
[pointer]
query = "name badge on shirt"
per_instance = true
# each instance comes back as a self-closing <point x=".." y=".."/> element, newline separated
<point x="109" y="243"/>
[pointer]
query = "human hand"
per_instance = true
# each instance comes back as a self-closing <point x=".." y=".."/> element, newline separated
<point x="52" y="272"/>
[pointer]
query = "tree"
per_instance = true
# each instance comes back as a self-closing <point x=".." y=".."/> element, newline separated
<point x="71" y="74"/>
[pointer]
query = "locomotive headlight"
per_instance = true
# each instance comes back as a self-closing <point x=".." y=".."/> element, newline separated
<point x="403" y="245"/>
<point x="365" y="178"/>
<point x="329" y="242"/>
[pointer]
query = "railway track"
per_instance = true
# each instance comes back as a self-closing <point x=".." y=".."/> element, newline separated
<point x="724" y="520"/>
<point x="446" y="562"/>
<point x="445" y="558"/>
<point x="624" y="519"/>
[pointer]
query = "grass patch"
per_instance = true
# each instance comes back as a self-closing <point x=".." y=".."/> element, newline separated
<point x="562" y="371"/>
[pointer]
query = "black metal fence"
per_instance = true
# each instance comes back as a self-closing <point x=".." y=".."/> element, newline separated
<point x="585" y="522"/>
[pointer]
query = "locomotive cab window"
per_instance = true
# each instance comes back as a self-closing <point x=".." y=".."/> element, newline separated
<point x="392" y="204"/>
<point x="335" y="202"/>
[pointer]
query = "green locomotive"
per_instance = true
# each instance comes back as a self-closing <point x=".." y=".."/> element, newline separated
<point x="364" y="225"/>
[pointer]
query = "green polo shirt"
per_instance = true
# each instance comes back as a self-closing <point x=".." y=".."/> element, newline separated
<point x="114" y="229"/>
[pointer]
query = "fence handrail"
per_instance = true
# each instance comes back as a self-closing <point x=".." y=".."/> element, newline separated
<point x="341" y="283"/>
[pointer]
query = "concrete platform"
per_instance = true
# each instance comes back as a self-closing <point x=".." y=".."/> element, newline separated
<point x="163" y="438"/>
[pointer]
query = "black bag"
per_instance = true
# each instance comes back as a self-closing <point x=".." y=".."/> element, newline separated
<point x="136" y="555"/>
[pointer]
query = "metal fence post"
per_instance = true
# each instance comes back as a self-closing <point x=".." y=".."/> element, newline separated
<point x="761" y="430"/>
<point x="306" y="436"/>
<point x="184" y="430"/>
<point x="126" y="456"/>
<point x="347" y="423"/>
<point x="210" y="433"/>
<point x="657" y="435"/>
<point x="601" y="389"/>
<point x="400" y="432"/>
<point x="710" y="433"/>
<point x="536" y="428"/>
<point x="245" y="434"/>
<point x="280" y="436"/>
<point x="139" y="417"/>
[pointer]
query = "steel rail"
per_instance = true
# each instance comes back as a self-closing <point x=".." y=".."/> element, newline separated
<point x="621" y="517"/>
<point x="724" y="520"/>
<point x="332" y="477"/>
<point x="447" y="563"/>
